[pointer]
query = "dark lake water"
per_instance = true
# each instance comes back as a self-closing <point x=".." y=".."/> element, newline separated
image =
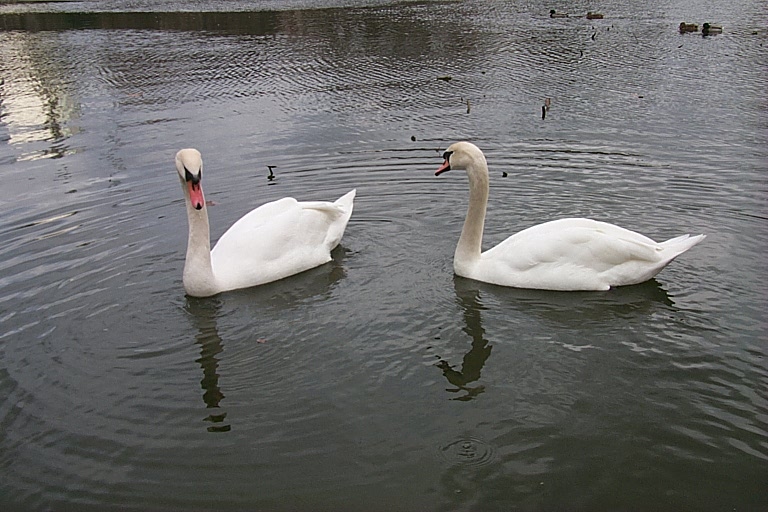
<point x="380" y="381"/>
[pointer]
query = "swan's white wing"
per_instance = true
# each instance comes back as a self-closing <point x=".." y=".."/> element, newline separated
<point x="571" y="254"/>
<point x="277" y="240"/>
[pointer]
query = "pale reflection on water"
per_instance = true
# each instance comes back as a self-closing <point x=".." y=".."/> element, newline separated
<point x="380" y="380"/>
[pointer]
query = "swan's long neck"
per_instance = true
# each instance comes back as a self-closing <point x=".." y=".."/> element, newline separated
<point x="198" y="272"/>
<point x="470" y="243"/>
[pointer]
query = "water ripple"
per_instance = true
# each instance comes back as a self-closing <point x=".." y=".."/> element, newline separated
<point x="468" y="451"/>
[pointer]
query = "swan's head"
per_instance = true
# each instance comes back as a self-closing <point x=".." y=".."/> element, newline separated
<point x="460" y="156"/>
<point x="189" y="165"/>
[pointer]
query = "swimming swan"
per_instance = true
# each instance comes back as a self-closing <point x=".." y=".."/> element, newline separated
<point x="566" y="254"/>
<point x="273" y="241"/>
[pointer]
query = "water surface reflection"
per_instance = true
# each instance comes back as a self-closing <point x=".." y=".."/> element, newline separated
<point x="468" y="298"/>
<point x="203" y="313"/>
<point x="242" y="23"/>
<point x="278" y="296"/>
<point x="322" y="389"/>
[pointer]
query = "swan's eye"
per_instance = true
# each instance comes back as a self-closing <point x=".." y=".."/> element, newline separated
<point x="447" y="155"/>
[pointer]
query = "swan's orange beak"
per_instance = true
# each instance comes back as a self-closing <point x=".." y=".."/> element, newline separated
<point x="443" y="168"/>
<point x="196" y="195"/>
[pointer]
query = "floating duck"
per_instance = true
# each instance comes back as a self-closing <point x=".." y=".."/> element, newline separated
<point x="688" y="27"/>
<point x="594" y="16"/>
<point x="708" y="29"/>
<point x="554" y="14"/>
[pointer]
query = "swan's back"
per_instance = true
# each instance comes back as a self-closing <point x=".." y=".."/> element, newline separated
<point x="279" y="239"/>
<point x="578" y="254"/>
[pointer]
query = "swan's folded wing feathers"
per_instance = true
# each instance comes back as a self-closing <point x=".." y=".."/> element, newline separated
<point x="611" y="251"/>
<point x="263" y="216"/>
<point x="332" y="209"/>
<point x="258" y="234"/>
<point x="606" y="244"/>
<point x="286" y="234"/>
<point x="575" y="240"/>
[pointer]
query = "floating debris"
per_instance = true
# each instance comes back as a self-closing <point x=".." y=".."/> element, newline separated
<point x="467" y="105"/>
<point x="545" y="107"/>
<point x="594" y="16"/>
<point x="413" y="138"/>
<point x="445" y="78"/>
<point x="271" y="175"/>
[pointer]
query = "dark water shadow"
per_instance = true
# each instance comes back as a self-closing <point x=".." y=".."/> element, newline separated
<point x="241" y="23"/>
<point x="289" y="292"/>
<point x="204" y="314"/>
<point x="576" y="308"/>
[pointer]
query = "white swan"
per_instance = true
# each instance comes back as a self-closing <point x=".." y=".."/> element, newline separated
<point x="273" y="241"/>
<point x="566" y="254"/>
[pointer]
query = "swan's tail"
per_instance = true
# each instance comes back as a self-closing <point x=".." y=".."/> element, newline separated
<point x="678" y="245"/>
<point x="346" y="204"/>
<point x="346" y="201"/>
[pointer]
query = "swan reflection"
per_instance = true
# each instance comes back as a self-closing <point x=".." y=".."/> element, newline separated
<point x="281" y="295"/>
<point x="572" y="310"/>
<point x="203" y="314"/>
<point x="472" y="363"/>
